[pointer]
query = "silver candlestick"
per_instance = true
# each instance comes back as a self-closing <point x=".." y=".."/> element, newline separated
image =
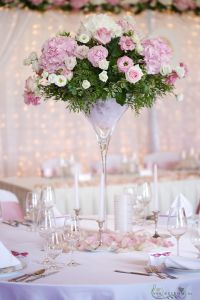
<point x="100" y="225"/>
<point x="155" y="218"/>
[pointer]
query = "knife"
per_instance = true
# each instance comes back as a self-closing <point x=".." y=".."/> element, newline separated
<point x="41" y="276"/>
<point x="25" y="276"/>
<point x="134" y="273"/>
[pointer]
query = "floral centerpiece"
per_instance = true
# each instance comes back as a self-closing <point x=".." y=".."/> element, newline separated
<point x="106" y="59"/>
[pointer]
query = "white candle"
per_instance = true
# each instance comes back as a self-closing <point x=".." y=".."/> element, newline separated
<point x="155" y="187"/>
<point x="102" y="199"/>
<point x="76" y="186"/>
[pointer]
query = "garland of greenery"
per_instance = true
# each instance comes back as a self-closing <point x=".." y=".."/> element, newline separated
<point x="178" y="6"/>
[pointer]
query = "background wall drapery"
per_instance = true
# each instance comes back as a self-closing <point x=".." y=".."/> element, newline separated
<point x="30" y="135"/>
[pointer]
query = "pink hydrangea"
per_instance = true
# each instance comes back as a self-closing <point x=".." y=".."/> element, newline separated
<point x="96" y="54"/>
<point x="134" y="74"/>
<point x="78" y="3"/>
<point x="124" y="63"/>
<point x="156" y="53"/>
<point x="54" y="52"/>
<point x="126" y="43"/>
<point x="103" y="35"/>
<point x="31" y="98"/>
<point x="184" y="4"/>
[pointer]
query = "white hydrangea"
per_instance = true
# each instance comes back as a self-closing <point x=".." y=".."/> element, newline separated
<point x="83" y="38"/>
<point x="104" y="64"/>
<point x="61" y="80"/>
<point x="103" y="76"/>
<point x="165" y="70"/>
<point x="70" y="62"/>
<point x="95" y="22"/>
<point x="86" y="84"/>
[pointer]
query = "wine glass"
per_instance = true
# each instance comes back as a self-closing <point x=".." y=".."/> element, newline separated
<point x="195" y="234"/>
<point x="177" y="223"/>
<point x="72" y="236"/>
<point x="32" y="202"/>
<point x="54" y="248"/>
<point x="48" y="196"/>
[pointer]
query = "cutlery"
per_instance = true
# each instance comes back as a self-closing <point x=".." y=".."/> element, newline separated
<point x="41" y="276"/>
<point x="26" y="276"/>
<point x="10" y="223"/>
<point x="150" y="270"/>
<point x="157" y="270"/>
<point x="22" y="223"/>
<point x="134" y="273"/>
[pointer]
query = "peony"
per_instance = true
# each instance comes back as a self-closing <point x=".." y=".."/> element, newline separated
<point x="156" y="53"/>
<point x="103" y="64"/>
<point x="124" y="63"/>
<point x="103" y="35"/>
<point x="103" y="76"/>
<point x="96" y="54"/>
<point x="82" y="52"/>
<point x="54" y="52"/>
<point x="134" y="74"/>
<point x="86" y="84"/>
<point x="126" y="43"/>
<point x="70" y="62"/>
<point x="60" y="80"/>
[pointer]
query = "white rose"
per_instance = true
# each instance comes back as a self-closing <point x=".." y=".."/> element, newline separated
<point x="103" y="64"/>
<point x="52" y="78"/>
<point x="70" y="62"/>
<point x="35" y="66"/>
<point x="61" y="81"/>
<point x="165" y="70"/>
<point x="83" y="38"/>
<point x="103" y="76"/>
<point x="180" y="71"/>
<point x="27" y="62"/>
<point x="86" y="84"/>
<point x="33" y="56"/>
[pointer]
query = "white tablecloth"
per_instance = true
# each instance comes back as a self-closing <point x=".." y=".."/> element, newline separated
<point x="95" y="278"/>
<point x="168" y="189"/>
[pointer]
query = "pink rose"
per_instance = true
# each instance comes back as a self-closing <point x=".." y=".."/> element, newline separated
<point x="96" y="54"/>
<point x="103" y="35"/>
<point x="134" y="74"/>
<point x="124" y="63"/>
<point x="184" y="4"/>
<point x="54" y="52"/>
<point x="82" y="52"/>
<point x="78" y="3"/>
<point x="156" y="53"/>
<point x="31" y="98"/>
<point x="126" y="43"/>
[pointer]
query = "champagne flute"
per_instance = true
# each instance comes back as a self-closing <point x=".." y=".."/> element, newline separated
<point x="48" y="196"/>
<point x="72" y="235"/>
<point x="177" y="223"/>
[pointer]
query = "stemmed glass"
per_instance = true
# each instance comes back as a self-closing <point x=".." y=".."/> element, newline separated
<point x="195" y="234"/>
<point x="144" y="191"/>
<point x="72" y="236"/>
<point x="54" y="248"/>
<point x="32" y="203"/>
<point x="48" y="197"/>
<point x="177" y="223"/>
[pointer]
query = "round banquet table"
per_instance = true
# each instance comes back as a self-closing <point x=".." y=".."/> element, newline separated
<point x="95" y="278"/>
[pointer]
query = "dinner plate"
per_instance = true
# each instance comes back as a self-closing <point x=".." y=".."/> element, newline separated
<point x="183" y="270"/>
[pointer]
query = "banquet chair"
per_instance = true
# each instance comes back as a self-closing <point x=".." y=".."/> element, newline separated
<point x="10" y="206"/>
<point x="164" y="160"/>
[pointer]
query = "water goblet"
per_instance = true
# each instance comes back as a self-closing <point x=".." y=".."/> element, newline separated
<point x="72" y="236"/>
<point x="177" y="223"/>
<point x="54" y="248"/>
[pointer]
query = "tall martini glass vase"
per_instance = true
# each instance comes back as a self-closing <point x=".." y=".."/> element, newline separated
<point x="104" y="116"/>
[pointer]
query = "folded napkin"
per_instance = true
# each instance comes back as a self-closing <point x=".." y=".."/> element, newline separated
<point x="7" y="259"/>
<point x="182" y="201"/>
<point x="183" y="263"/>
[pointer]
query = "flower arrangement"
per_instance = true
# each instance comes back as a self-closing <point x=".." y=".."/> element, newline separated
<point x="135" y="6"/>
<point x="106" y="59"/>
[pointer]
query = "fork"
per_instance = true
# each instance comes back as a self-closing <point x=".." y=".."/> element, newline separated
<point x="151" y="270"/>
<point x="159" y="271"/>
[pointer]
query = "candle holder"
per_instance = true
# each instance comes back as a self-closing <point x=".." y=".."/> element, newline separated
<point x="155" y="218"/>
<point x="100" y="230"/>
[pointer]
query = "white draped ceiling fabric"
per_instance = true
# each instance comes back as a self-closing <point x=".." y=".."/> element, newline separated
<point x="30" y="135"/>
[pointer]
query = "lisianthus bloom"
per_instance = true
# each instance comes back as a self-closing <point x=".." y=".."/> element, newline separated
<point x="156" y="53"/>
<point x="96" y="54"/>
<point x="126" y="43"/>
<point x="124" y="63"/>
<point x="134" y="74"/>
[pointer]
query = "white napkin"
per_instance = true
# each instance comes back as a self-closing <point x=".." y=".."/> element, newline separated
<point x="7" y="259"/>
<point x="179" y="262"/>
<point x="181" y="201"/>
